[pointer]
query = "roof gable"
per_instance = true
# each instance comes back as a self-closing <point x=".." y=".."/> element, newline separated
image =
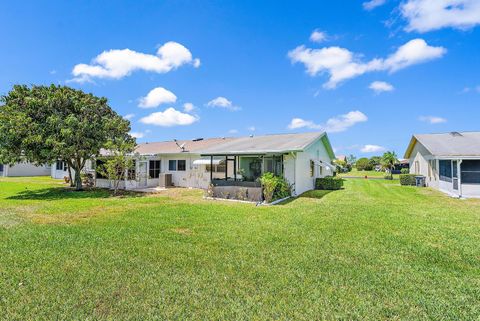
<point x="462" y="144"/>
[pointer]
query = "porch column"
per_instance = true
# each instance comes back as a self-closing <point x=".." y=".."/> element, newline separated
<point x="459" y="177"/>
<point x="235" y="168"/>
<point x="226" y="167"/>
<point x="211" y="168"/>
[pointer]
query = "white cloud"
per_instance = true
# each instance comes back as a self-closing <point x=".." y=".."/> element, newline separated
<point x="156" y="97"/>
<point x="372" y="149"/>
<point x="168" y="118"/>
<point x="222" y="102"/>
<point x="233" y="131"/>
<point x="318" y="36"/>
<point x="380" y="86"/>
<point x="341" y="64"/>
<point x="343" y="122"/>
<point x="128" y="116"/>
<point x="333" y="125"/>
<point x="302" y="123"/>
<point x="118" y="63"/>
<point x="428" y="15"/>
<point x="251" y="128"/>
<point x="137" y="134"/>
<point x="413" y="52"/>
<point x="372" y="4"/>
<point x="188" y="107"/>
<point x="432" y="119"/>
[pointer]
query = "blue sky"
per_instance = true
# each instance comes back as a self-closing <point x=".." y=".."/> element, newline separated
<point x="372" y="74"/>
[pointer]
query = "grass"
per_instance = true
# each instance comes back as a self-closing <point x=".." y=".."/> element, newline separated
<point x="372" y="251"/>
<point x="357" y="173"/>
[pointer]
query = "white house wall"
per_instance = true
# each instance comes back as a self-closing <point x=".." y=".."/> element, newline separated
<point x="302" y="175"/>
<point x="25" y="169"/>
<point x="421" y="155"/>
<point x="194" y="176"/>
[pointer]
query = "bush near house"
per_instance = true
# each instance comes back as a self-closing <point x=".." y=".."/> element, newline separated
<point x="274" y="187"/>
<point x="407" y="179"/>
<point x="329" y="183"/>
<point x="405" y="171"/>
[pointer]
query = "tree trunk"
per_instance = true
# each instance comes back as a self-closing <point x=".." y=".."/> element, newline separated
<point x="70" y="174"/>
<point x="77" y="167"/>
<point x="78" y="181"/>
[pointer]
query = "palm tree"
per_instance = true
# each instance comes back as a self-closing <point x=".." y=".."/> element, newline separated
<point x="389" y="159"/>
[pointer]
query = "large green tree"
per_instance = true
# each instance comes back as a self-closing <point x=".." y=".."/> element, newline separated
<point x="41" y="124"/>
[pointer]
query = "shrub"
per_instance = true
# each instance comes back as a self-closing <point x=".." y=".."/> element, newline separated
<point x="363" y="164"/>
<point x="329" y="183"/>
<point x="407" y="179"/>
<point x="274" y="187"/>
<point x="405" y="171"/>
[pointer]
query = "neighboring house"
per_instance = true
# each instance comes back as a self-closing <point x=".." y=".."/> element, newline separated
<point x="197" y="163"/>
<point x="450" y="161"/>
<point x="24" y="169"/>
<point x="342" y="158"/>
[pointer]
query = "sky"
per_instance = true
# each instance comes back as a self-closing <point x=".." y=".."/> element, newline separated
<point x="369" y="73"/>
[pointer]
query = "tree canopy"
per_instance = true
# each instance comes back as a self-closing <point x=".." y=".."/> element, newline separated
<point x="41" y="124"/>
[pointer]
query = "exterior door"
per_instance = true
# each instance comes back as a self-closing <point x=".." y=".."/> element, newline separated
<point x="455" y="175"/>
<point x="142" y="174"/>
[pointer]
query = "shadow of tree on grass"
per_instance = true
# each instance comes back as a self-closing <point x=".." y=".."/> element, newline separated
<point x="55" y="193"/>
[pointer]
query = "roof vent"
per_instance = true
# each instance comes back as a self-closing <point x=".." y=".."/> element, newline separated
<point x="456" y="134"/>
<point x="197" y="139"/>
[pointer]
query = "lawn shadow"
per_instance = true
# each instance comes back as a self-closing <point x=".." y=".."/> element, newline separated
<point x="55" y="193"/>
<point x="317" y="194"/>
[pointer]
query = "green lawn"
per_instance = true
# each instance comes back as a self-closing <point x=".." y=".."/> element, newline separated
<point x="357" y="173"/>
<point x="372" y="251"/>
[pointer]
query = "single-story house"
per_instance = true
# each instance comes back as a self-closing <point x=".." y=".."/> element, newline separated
<point x="198" y="163"/>
<point x="449" y="161"/>
<point x="24" y="169"/>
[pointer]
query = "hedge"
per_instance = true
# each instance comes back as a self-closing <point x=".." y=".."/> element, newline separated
<point x="329" y="183"/>
<point x="407" y="179"/>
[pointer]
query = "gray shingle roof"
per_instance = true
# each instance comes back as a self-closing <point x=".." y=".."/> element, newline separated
<point x="233" y="145"/>
<point x="264" y="144"/>
<point x="463" y="144"/>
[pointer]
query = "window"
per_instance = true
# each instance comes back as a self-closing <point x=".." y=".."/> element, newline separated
<point x="470" y="171"/>
<point x="1" y="167"/>
<point x="154" y="169"/>
<point x="181" y="165"/>
<point x="132" y="172"/>
<point x="445" y="170"/>
<point x="177" y="165"/>
<point x="312" y="168"/>
<point x="172" y="165"/>
<point x="61" y="166"/>
<point x="417" y="167"/>
<point x="98" y="164"/>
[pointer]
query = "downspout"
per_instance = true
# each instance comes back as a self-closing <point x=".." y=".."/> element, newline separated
<point x="459" y="174"/>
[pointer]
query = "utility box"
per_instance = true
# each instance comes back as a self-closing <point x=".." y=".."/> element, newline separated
<point x="165" y="180"/>
<point x="420" y="181"/>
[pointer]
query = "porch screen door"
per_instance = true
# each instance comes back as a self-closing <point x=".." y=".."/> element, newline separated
<point x="142" y="174"/>
<point x="455" y="175"/>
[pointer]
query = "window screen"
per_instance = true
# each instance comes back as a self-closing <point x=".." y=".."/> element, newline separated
<point x="61" y="165"/>
<point x="98" y="164"/>
<point x="471" y="171"/>
<point x="154" y="169"/>
<point x="181" y="165"/>
<point x="132" y="173"/>
<point x="446" y="170"/>
<point x="172" y="165"/>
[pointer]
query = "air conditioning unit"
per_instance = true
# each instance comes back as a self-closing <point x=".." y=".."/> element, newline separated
<point x="165" y="180"/>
